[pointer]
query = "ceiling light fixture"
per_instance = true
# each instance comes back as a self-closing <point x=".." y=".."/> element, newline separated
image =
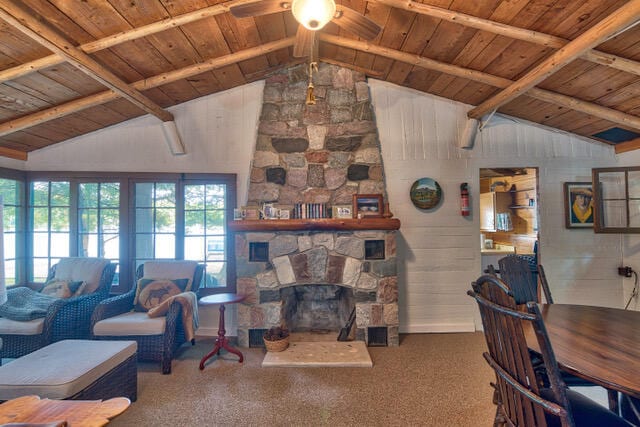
<point x="313" y="14"/>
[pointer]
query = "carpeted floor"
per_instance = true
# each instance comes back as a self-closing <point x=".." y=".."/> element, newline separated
<point x="429" y="380"/>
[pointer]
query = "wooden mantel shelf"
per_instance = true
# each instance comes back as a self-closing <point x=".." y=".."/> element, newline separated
<point x="314" y="224"/>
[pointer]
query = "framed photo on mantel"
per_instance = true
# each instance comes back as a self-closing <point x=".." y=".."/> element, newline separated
<point x="367" y="206"/>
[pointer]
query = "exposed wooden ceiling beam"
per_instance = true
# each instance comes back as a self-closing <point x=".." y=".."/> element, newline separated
<point x="74" y="106"/>
<point x="510" y="31"/>
<point x="26" y="23"/>
<point x="623" y="147"/>
<point x="121" y="37"/>
<point x="488" y="79"/>
<point x="13" y="153"/>
<point x="603" y="30"/>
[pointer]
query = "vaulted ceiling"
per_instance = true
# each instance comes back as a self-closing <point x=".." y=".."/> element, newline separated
<point x="71" y="67"/>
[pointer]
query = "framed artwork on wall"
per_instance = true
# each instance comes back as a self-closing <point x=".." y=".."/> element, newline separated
<point x="578" y="204"/>
<point x="367" y="206"/>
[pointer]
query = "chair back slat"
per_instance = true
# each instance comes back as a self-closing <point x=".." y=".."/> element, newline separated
<point x="519" y="398"/>
<point x="516" y="272"/>
<point x="542" y="276"/>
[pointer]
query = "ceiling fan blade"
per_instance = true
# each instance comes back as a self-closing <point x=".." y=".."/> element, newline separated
<point x="258" y="8"/>
<point x="356" y="23"/>
<point x="304" y="40"/>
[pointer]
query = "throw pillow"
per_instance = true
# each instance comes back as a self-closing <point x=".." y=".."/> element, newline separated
<point x="151" y="292"/>
<point x="63" y="288"/>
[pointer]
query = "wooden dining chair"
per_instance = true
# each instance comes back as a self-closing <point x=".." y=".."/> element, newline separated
<point x="521" y="400"/>
<point x="516" y="271"/>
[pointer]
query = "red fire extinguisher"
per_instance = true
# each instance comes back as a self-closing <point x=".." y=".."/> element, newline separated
<point x="464" y="199"/>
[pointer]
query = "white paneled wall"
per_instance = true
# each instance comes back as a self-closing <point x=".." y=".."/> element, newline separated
<point x="439" y="253"/>
<point x="439" y="249"/>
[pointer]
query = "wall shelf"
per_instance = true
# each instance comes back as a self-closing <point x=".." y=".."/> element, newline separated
<point x="314" y="224"/>
<point x="521" y="207"/>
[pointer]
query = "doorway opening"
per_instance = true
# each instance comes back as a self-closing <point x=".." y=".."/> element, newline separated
<point x="508" y="213"/>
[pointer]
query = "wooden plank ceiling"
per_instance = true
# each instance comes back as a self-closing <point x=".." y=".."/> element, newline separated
<point x="72" y="67"/>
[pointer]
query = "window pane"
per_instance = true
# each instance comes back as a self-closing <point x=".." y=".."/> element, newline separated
<point x="165" y="246"/>
<point x="10" y="272"/>
<point x="10" y="218"/>
<point x="144" y="246"/>
<point x="110" y="195"/>
<point x="88" y="221"/>
<point x="612" y="185"/>
<point x="165" y="220"/>
<point x="215" y="221"/>
<point x="88" y="195"/>
<point x="40" y="244"/>
<point x="9" y="191"/>
<point x="216" y="274"/>
<point x="144" y="220"/>
<point x="194" y="197"/>
<point x="634" y="213"/>
<point x="614" y="213"/>
<point x="60" y="194"/>
<point x="144" y="195"/>
<point x="110" y="220"/>
<point x="59" y="245"/>
<point x="194" y="248"/>
<point x="40" y="219"/>
<point x="40" y="269"/>
<point x="216" y="248"/>
<point x="9" y="245"/>
<point x="60" y="219"/>
<point x="40" y="194"/>
<point x="165" y="195"/>
<point x="111" y="245"/>
<point x="194" y="222"/>
<point x="88" y="246"/>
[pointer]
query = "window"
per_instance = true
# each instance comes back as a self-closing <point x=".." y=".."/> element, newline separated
<point x="205" y="230"/>
<point x="617" y="196"/>
<point x="185" y="218"/>
<point x="99" y="221"/>
<point x="49" y="207"/>
<point x="12" y="192"/>
<point x="155" y="221"/>
<point x="126" y="217"/>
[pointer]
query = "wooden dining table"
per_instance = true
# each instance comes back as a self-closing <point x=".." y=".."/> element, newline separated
<point x="599" y="344"/>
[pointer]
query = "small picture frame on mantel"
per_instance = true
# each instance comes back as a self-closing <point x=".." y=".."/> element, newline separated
<point x="367" y="206"/>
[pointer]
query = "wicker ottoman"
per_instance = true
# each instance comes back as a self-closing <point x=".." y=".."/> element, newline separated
<point x="73" y="369"/>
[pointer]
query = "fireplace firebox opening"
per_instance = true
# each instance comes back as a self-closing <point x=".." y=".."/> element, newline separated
<point x="316" y="308"/>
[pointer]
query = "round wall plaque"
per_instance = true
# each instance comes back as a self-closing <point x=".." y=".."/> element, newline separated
<point x="425" y="193"/>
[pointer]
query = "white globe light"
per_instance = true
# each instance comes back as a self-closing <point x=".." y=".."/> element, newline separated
<point x="313" y="14"/>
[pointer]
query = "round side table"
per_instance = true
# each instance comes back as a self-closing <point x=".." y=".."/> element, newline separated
<point x="221" y="341"/>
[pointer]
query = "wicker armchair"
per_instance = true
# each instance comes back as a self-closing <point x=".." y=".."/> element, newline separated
<point x="158" y="338"/>
<point x="66" y="318"/>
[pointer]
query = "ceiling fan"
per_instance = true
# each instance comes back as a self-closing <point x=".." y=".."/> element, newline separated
<point x="312" y="15"/>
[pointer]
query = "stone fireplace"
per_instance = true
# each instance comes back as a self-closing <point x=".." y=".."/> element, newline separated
<point x="309" y="275"/>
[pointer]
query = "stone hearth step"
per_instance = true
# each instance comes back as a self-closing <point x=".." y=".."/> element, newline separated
<point x="349" y="354"/>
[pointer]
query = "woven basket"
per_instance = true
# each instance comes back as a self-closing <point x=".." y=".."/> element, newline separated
<point x="279" y="345"/>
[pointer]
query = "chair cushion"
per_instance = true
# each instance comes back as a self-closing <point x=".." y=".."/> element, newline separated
<point x="131" y="323"/>
<point x="15" y="327"/>
<point x="152" y="292"/>
<point x="62" y="369"/>
<point x="586" y="412"/>
<point x="85" y="269"/>
<point x="170" y="269"/>
<point x="63" y="288"/>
